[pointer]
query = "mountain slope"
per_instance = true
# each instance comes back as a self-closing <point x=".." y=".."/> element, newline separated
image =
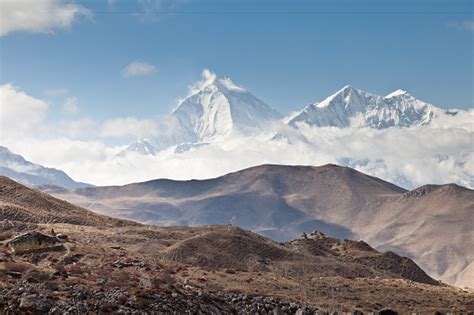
<point x="416" y="224"/>
<point x="350" y="107"/>
<point x="215" y="107"/>
<point x="278" y="201"/>
<point x="282" y="201"/>
<point x="20" y="203"/>
<point x="28" y="173"/>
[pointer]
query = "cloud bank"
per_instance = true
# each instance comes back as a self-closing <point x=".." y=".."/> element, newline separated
<point x="38" y="16"/>
<point x="439" y="153"/>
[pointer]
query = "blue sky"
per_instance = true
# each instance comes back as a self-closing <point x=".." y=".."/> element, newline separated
<point x="288" y="53"/>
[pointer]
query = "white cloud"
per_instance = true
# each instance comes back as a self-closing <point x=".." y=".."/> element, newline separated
<point x="409" y="157"/>
<point x="70" y="105"/>
<point x="82" y="128"/>
<point x="22" y="115"/>
<point x="207" y="77"/>
<point x="138" y="68"/>
<point x="19" y="112"/>
<point x="38" y="16"/>
<point x="132" y="128"/>
<point x="128" y="127"/>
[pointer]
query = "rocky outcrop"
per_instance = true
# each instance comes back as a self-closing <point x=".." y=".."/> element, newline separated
<point x="34" y="241"/>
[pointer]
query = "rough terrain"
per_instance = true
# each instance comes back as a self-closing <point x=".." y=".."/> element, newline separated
<point x="209" y="269"/>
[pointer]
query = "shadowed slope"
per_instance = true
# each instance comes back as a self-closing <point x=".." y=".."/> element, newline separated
<point x="20" y="203"/>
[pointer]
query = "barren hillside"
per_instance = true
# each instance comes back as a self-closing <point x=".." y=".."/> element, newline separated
<point x="281" y="202"/>
<point x="20" y="203"/>
<point x="211" y="269"/>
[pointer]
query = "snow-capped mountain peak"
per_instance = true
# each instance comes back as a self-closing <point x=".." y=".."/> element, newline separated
<point x="215" y="107"/>
<point x="28" y="173"/>
<point x="338" y="110"/>
<point x="219" y="106"/>
<point x="347" y="96"/>
<point x="210" y="82"/>
<point x="350" y="107"/>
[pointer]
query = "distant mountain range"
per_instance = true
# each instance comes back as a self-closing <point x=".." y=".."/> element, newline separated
<point x="281" y="202"/>
<point x="16" y="167"/>
<point x="350" y="107"/>
<point x="217" y="107"/>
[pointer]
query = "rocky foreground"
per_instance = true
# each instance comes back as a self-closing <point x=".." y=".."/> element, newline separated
<point x="147" y="269"/>
<point x="62" y="259"/>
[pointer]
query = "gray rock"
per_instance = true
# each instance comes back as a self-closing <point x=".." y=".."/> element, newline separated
<point x="145" y="283"/>
<point x="277" y="311"/>
<point x="300" y="311"/>
<point x="28" y="302"/>
<point x="33" y="303"/>
<point x="44" y="305"/>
